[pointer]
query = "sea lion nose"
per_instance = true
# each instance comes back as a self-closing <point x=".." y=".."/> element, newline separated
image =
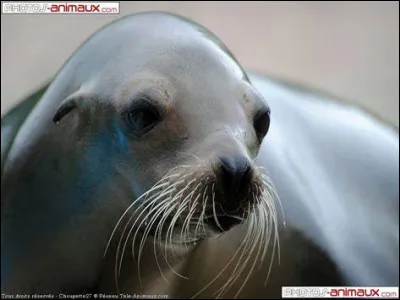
<point x="236" y="173"/>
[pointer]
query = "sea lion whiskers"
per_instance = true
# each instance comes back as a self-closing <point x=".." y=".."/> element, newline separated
<point x="268" y="209"/>
<point x="276" y="243"/>
<point x="154" y="198"/>
<point x="182" y="205"/>
<point x="259" y="231"/>
<point x="272" y="194"/>
<point x="119" y="265"/>
<point x="164" y="204"/>
<point x="192" y="219"/>
<point x="154" y="213"/>
<point x="261" y="234"/>
<point x="270" y="188"/>
<point x="154" y="218"/>
<point x="126" y="212"/>
<point x="158" y="185"/>
<point x="227" y="265"/>
<point x="258" y="239"/>
<point x="191" y="211"/>
<point x="158" y="233"/>
<point x="251" y="241"/>
<point x="119" y="257"/>
<point x="234" y="275"/>
<point x="201" y="218"/>
<point x="161" y="210"/>
<point x="264" y="212"/>
<point x="214" y="210"/>
<point x="158" y="196"/>
<point x="180" y="191"/>
<point x="159" y="190"/>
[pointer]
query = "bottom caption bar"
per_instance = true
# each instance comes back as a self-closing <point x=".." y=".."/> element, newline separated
<point x="340" y="292"/>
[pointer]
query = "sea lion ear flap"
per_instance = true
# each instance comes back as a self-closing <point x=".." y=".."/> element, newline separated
<point x="69" y="104"/>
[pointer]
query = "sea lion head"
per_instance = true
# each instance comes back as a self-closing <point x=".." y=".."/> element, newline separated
<point x="178" y="121"/>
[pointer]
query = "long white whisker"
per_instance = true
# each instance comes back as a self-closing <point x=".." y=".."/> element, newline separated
<point x="161" y="210"/>
<point x="180" y="209"/>
<point x="270" y="188"/>
<point x="249" y="243"/>
<point x="157" y="185"/>
<point x="146" y="200"/>
<point x="273" y="251"/>
<point x="223" y="269"/>
<point x="152" y="199"/>
<point x="160" y="207"/>
<point x="214" y="211"/>
<point x="258" y="240"/>
<point x="191" y="210"/>
<point x="203" y="211"/>
<point x="159" y="232"/>
<point x="118" y="265"/>
<point x="127" y="211"/>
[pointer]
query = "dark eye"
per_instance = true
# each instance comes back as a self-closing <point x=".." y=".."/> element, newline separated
<point x="142" y="120"/>
<point x="261" y="123"/>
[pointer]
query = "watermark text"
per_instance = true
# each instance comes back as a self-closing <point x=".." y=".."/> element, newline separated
<point x="60" y="7"/>
<point x="341" y="292"/>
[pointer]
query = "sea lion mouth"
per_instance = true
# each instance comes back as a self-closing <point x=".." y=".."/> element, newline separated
<point x="218" y="223"/>
<point x="223" y="223"/>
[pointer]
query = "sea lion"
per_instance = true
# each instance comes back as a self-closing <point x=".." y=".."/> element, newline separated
<point x="153" y="156"/>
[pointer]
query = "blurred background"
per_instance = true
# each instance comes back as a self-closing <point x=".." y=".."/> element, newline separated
<point x="349" y="49"/>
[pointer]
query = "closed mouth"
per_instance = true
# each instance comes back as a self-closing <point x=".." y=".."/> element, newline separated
<point x="219" y="222"/>
<point x="223" y="223"/>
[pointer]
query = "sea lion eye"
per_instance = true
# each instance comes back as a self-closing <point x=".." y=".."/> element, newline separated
<point x="141" y="120"/>
<point x="261" y="123"/>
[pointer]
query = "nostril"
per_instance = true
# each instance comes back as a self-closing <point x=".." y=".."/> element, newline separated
<point x="236" y="174"/>
<point x="227" y="166"/>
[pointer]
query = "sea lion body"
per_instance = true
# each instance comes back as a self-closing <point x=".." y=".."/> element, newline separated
<point x="335" y="167"/>
<point x="327" y="170"/>
<point x="343" y="165"/>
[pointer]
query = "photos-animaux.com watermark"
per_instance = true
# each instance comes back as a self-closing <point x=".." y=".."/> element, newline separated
<point x="341" y="292"/>
<point x="60" y="7"/>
